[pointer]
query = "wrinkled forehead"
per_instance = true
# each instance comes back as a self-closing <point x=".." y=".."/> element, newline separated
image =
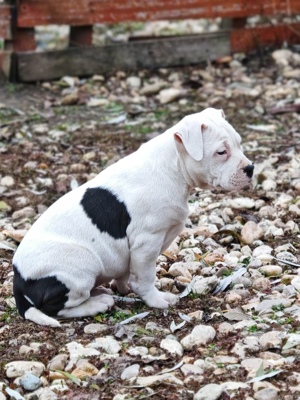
<point x="223" y="131"/>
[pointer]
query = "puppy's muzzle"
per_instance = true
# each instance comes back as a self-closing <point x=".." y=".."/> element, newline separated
<point x="249" y="170"/>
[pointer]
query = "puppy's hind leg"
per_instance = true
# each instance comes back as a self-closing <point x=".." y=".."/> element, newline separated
<point x="92" y="306"/>
<point x="121" y="284"/>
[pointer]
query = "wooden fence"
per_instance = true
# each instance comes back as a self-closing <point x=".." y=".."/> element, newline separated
<point x="18" y="18"/>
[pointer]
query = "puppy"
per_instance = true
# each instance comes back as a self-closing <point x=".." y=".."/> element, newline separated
<point x="114" y="227"/>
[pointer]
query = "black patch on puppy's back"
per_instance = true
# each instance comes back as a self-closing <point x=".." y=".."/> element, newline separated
<point x="106" y="211"/>
<point x="49" y="295"/>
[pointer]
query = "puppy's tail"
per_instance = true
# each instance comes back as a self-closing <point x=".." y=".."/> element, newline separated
<point x="37" y="316"/>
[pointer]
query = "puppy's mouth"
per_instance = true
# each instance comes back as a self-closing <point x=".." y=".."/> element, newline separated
<point x="235" y="186"/>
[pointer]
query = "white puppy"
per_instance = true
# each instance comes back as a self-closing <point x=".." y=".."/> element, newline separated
<point x="115" y="226"/>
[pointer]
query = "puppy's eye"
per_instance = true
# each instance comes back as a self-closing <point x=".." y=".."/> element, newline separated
<point x="221" y="153"/>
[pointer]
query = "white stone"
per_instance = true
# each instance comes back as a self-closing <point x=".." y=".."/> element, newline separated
<point x="232" y="386"/>
<point x="58" y="362"/>
<point x="296" y="283"/>
<point x="294" y="208"/>
<point x="56" y="134"/>
<point x="96" y="102"/>
<point x="262" y="284"/>
<point x="205" y="285"/>
<point x="69" y="80"/>
<point x="239" y="350"/>
<point x="267" y="211"/>
<point x="168" y="95"/>
<point x="95" y="328"/>
<point x="134" y="82"/>
<point x="200" y="335"/>
<point x="269" y="185"/>
<point x="19" y="368"/>
<point x="225" y="328"/>
<point x="205" y="365"/>
<point x="282" y="56"/>
<point x="209" y="392"/>
<point x="40" y="129"/>
<point x="191" y="369"/>
<point x="108" y="344"/>
<point x="26" y="212"/>
<point x="130" y="372"/>
<point x="172" y="346"/>
<point x="292" y="341"/>
<point x="137" y="351"/>
<point x="261" y="250"/>
<point x="291" y="73"/>
<point x="233" y="298"/>
<point x="45" y="393"/>
<point x="231" y="260"/>
<point x="207" y="229"/>
<point x="254" y="364"/>
<point x="265" y="259"/>
<point x="188" y="255"/>
<point x="120" y="397"/>
<point x="225" y="360"/>
<point x="286" y="255"/>
<point x="252" y="343"/>
<point x="242" y="202"/>
<point x="266" y="394"/>
<point x="60" y="386"/>
<point x="152" y="88"/>
<point x="167" y="284"/>
<point x="197" y="315"/>
<point x="267" y="305"/>
<point x="284" y="200"/>
<point x="7" y="181"/>
<point x="151" y="380"/>
<point x="271" y="270"/>
<point x="251" y="232"/>
<point x="77" y="350"/>
<point x="179" y="269"/>
<point x="272" y="339"/>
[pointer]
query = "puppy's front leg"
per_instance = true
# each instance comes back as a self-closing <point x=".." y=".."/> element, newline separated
<point x="142" y="278"/>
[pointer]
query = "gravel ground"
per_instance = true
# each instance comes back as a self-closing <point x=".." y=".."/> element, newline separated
<point x="235" y="333"/>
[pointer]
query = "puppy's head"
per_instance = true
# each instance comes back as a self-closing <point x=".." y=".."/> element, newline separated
<point x="210" y="152"/>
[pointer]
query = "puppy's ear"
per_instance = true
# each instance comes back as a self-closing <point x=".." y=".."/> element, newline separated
<point x="223" y="114"/>
<point x="189" y="134"/>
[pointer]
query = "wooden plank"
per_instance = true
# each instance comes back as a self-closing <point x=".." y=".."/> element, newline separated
<point x="89" y="12"/>
<point x="245" y="40"/>
<point x="154" y="53"/>
<point x="5" y="21"/>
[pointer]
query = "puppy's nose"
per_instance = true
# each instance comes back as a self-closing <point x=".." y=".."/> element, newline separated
<point x="249" y="170"/>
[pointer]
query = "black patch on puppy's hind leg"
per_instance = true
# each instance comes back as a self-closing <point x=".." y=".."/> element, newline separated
<point x="49" y="295"/>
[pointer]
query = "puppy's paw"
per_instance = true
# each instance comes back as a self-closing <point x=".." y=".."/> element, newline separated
<point x="157" y="299"/>
<point x="106" y="299"/>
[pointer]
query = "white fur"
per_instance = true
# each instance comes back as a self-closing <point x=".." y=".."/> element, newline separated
<point x="154" y="183"/>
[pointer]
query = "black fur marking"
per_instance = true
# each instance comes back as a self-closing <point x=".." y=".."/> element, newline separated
<point x="106" y="212"/>
<point x="47" y="294"/>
